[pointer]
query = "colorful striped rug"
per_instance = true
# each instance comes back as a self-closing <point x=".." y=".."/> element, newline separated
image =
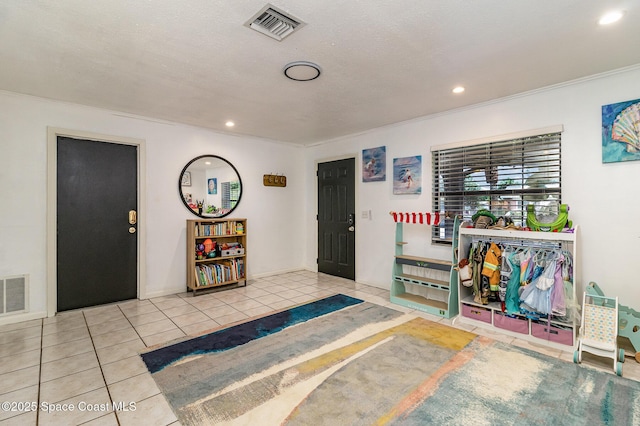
<point x="342" y="361"/>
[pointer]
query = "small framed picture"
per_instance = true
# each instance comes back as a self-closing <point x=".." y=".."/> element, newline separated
<point x="212" y="186"/>
<point x="186" y="179"/>
<point x="407" y="175"/>
<point x="374" y="164"/>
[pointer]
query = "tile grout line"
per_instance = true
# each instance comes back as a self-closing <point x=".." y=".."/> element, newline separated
<point x="40" y="370"/>
<point x="100" y="366"/>
<point x="168" y="317"/>
<point x="198" y="309"/>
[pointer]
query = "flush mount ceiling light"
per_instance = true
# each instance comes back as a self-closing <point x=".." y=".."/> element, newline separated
<point x="611" y="17"/>
<point x="302" y="71"/>
<point x="229" y="123"/>
<point x="458" y="89"/>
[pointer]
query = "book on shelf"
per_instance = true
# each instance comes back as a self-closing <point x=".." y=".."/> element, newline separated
<point x="240" y="268"/>
<point x="206" y="230"/>
<point x="217" y="229"/>
<point x="219" y="273"/>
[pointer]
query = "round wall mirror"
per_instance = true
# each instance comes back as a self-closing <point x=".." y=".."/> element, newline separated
<point x="210" y="187"/>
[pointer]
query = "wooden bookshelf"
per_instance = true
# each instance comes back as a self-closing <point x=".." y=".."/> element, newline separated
<point x="222" y="262"/>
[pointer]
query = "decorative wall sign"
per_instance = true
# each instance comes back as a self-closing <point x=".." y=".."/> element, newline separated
<point x="407" y="175"/>
<point x="274" y="180"/>
<point x="374" y="164"/>
<point x="621" y="131"/>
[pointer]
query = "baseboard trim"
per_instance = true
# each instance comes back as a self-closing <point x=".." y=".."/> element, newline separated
<point x="161" y="293"/>
<point x="27" y="316"/>
<point x="170" y="292"/>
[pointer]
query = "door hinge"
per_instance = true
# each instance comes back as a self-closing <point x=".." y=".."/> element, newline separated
<point x="317" y="261"/>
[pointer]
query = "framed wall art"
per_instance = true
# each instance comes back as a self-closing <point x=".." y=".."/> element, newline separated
<point x="374" y="164"/>
<point x="621" y="131"/>
<point x="186" y="179"/>
<point x="407" y="175"/>
<point x="212" y="186"/>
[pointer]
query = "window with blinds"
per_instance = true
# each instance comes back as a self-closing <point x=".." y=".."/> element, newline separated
<point x="230" y="194"/>
<point x="502" y="177"/>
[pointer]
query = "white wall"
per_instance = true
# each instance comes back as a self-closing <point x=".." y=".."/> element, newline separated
<point x="604" y="198"/>
<point x="23" y="167"/>
<point x="610" y="237"/>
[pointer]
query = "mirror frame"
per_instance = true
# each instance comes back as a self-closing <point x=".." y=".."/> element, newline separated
<point x="184" y="169"/>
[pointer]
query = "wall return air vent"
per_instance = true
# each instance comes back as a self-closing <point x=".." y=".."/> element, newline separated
<point x="274" y="23"/>
<point x="14" y="295"/>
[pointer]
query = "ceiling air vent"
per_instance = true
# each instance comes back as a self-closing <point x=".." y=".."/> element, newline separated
<point x="274" y="23"/>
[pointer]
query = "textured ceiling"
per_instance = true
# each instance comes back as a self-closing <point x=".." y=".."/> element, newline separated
<point x="383" y="62"/>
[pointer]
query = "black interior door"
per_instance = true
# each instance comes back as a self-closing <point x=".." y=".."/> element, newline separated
<point x="336" y="218"/>
<point x="96" y="252"/>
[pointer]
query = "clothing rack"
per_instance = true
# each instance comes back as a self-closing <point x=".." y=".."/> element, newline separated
<point x="513" y="242"/>
<point x="551" y="330"/>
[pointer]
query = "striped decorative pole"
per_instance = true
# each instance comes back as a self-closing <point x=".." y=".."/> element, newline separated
<point x="419" y="218"/>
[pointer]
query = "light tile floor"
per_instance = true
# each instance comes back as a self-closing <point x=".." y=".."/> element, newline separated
<point x="87" y="358"/>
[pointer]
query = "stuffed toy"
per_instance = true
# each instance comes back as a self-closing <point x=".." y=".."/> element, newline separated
<point x="553" y="224"/>
<point x="483" y="219"/>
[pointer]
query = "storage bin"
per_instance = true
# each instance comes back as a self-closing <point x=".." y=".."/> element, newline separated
<point x="477" y="313"/>
<point x="552" y="333"/>
<point x="515" y="324"/>
<point x="232" y="252"/>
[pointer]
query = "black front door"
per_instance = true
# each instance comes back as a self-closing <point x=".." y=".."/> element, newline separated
<point x="97" y="259"/>
<point x="336" y="218"/>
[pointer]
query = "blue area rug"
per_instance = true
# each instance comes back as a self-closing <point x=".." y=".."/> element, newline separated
<point x="342" y="361"/>
<point x="240" y="334"/>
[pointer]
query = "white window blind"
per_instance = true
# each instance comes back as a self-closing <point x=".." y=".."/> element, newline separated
<point x="230" y="194"/>
<point x="502" y="177"/>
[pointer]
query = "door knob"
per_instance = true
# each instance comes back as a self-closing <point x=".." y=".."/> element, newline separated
<point x="132" y="217"/>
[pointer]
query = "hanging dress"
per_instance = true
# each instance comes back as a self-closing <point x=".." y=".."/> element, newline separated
<point x="537" y="265"/>
<point x="536" y="297"/>
<point x="525" y="259"/>
<point x="558" y="305"/>
<point x="513" y="286"/>
<point x="546" y="279"/>
<point x="506" y="271"/>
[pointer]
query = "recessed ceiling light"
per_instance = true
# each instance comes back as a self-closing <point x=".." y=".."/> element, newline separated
<point x="458" y="89"/>
<point x="611" y="17"/>
<point x="302" y="71"/>
<point x="229" y="124"/>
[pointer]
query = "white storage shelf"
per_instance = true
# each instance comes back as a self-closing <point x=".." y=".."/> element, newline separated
<point x="424" y="284"/>
<point x="550" y="332"/>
